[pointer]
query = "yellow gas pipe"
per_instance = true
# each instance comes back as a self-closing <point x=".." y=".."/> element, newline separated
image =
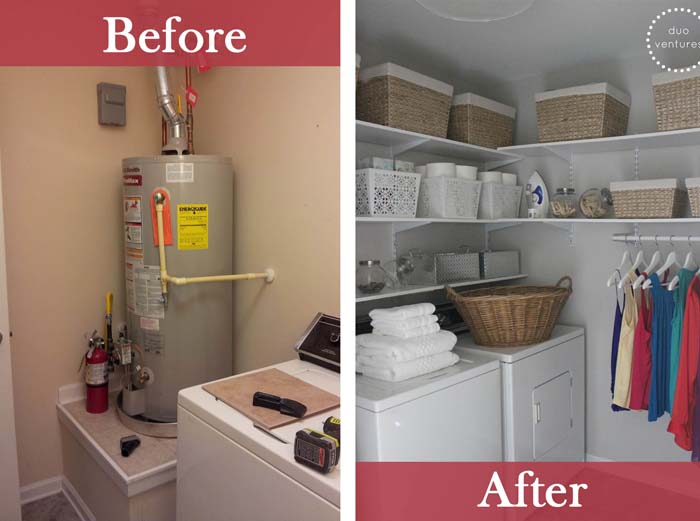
<point x="268" y="274"/>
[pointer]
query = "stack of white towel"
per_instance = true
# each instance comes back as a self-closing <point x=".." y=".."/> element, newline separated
<point x="406" y="342"/>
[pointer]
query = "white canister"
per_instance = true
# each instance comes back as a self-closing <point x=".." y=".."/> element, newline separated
<point x="466" y="172"/>
<point x="509" y="179"/>
<point x="441" y="169"/>
<point x="491" y="177"/>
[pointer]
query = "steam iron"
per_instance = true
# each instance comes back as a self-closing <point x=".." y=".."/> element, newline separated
<point x="537" y="197"/>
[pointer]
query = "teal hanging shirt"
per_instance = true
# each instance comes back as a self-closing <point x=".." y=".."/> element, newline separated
<point x="679" y="294"/>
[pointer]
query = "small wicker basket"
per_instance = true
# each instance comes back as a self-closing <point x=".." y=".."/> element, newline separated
<point x="508" y="316"/>
<point x="677" y="100"/>
<point x="397" y="97"/>
<point x="481" y="121"/>
<point x="586" y="112"/>
<point x="693" y="186"/>
<point x="649" y="199"/>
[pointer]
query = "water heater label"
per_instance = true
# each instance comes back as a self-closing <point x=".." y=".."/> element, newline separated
<point x="192" y="226"/>
<point x="132" y="209"/>
<point x="179" y="173"/>
<point x="132" y="235"/>
<point x="147" y="292"/>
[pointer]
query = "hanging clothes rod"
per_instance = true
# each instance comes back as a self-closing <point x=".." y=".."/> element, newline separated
<point x="676" y="239"/>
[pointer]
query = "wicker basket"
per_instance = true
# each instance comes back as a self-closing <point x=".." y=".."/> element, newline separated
<point x="393" y="96"/>
<point x="589" y="111"/>
<point x="481" y="121"/>
<point x="385" y="193"/>
<point x="510" y="316"/>
<point x="693" y="186"/>
<point x="653" y="199"/>
<point x="677" y="100"/>
<point x="449" y="197"/>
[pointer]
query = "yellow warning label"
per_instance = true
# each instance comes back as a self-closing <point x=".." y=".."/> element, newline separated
<point x="192" y="226"/>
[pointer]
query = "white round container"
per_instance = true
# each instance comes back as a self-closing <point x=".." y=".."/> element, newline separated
<point x="491" y="177"/>
<point x="441" y="169"/>
<point x="420" y="169"/>
<point x="466" y="172"/>
<point x="509" y="179"/>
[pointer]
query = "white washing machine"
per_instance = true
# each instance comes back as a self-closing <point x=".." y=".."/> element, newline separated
<point x="449" y="415"/>
<point x="543" y="395"/>
<point x="227" y="469"/>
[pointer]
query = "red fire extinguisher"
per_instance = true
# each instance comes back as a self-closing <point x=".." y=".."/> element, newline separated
<point x="96" y="380"/>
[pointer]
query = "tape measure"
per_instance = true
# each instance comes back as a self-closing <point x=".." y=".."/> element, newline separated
<point x="316" y="450"/>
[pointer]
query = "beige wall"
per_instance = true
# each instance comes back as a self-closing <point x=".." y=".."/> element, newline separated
<point x="281" y="126"/>
<point x="61" y="183"/>
<point x="61" y="188"/>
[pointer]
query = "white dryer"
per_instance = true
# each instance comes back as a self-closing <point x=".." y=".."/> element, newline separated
<point x="449" y="415"/>
<point x="228" y="469"/>
<point x="543" y="395"/>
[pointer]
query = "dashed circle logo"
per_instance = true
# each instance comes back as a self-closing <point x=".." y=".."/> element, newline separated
<point x="673" y="39"/>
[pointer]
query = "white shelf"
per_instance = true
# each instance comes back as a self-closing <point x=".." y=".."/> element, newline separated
<point x="401" y="141"/>
<point x="413" y="290"/>
<point x="565" y="149"/>
<point x="427" y="220"/>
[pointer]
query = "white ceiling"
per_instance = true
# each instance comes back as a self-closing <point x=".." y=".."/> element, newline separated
<point x="552" y="35"/>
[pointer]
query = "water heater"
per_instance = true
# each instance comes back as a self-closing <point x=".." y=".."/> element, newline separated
<point x="186" y="334"/>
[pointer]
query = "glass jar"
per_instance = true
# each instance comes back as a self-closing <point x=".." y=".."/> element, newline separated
<point x="370" y="277"/>
<point x="563" y="203"/>
<point x="594" y="203"/>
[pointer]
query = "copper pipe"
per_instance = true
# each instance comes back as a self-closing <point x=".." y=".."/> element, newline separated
<point x="190" y="116"/>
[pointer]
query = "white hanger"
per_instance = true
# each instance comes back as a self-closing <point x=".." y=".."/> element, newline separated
<point x="689" y="264"/>
<point x="653" y="263"/>
<point x="638" y="261"/>
<point x="626" y="259"/>
<point x="671" y="260"/>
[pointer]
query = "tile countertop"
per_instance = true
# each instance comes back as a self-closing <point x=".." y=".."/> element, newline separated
<point x="152" y="464"/>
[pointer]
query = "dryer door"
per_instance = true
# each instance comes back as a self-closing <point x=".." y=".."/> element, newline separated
<point x="552" y="412"/>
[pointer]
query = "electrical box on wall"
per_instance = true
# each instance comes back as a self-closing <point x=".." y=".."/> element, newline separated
<point x="111" y="104"/>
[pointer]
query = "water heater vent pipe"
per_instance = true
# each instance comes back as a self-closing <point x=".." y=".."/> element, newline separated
<point x="165" y="277"/>
<point x="175" y="121"/>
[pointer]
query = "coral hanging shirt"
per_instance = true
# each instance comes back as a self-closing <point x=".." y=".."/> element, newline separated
<point x="681" y="424"/>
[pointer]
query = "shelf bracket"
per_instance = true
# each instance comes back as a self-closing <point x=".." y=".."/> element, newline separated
<point x="490" y="165"/>
<point x="397" y="150"/>
<point x="568" y="227"/>
<point x="493" y="227"/>
<point x="563" y="155"/>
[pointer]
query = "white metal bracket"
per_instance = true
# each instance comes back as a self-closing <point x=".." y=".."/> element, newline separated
<point x="490" y="165"/>
<point x="492" y="227"/>
<point x="400" y="149"/>
<point x="568" y="227"/>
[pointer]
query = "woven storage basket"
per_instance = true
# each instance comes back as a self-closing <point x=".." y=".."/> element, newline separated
<point x="677" y="100"/>
<point x="511" y="315"/>
<point x="385" y="193"/>
<point x="589" y="111"/>
<point x="394" y="96"/>
<point x="693" y="186"/>
<point x="499" y="201"/>
<point x="449" y="197"/>
<point x="653" y="199"/>
<point x="495" y="264"/>
<point x="481" y="121"/>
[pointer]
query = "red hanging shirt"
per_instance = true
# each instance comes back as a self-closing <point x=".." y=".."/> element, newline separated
<point x="681" y="424"/>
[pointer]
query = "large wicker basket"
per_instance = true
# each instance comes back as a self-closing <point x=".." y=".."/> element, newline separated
<point x="590" y="111"/>
<point x="648" y="199"/>
<point x="397" y="97"/>
<point x="481" y="121"/>
<point x="693" y="186"/>
<point x="677" y="100"/>
<point x="508" y="316"/>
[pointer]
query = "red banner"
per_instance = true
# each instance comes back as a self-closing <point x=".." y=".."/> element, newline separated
<point x="536" y="491"/>
<point x="174" y="32"/>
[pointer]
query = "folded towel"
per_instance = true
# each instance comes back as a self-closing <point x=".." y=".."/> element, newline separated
<point x="409" y="323"/>
<point x="403" y="350"/>
<point x="403" y="312"/>
<point x="407" y="333"/>
<point x="406" y="370"/>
